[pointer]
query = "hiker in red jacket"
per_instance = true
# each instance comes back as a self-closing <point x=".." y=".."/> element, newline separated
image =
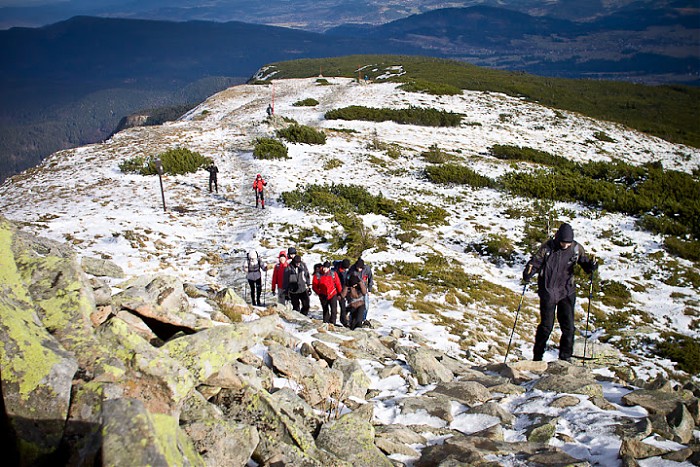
<point x="327" y="287"/>
<point x="258" y="186"/>
<point x="278" y="278"/>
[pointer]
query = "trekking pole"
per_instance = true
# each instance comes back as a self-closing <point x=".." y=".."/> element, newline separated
<point x="588" y="314"/>
<point x="515" y="323"/>
<point x="265" y="291"/>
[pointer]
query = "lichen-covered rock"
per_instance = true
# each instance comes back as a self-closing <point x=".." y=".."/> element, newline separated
<point x="351" y="438"/>
<point x="469" y="393"/>
<point x="567" y="378"/>
<point x="222" y="442"/>
<point x="207" y="352"/>
<point x="158" y="380"/>
<point x="162" y="298"/>
<point x="36" y="371"/>
<point x="133" y="436"/>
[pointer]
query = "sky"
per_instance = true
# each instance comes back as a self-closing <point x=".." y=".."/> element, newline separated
<point x="81" y="196"/>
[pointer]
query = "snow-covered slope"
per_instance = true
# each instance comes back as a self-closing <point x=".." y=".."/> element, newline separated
<point x="81" y="196"/>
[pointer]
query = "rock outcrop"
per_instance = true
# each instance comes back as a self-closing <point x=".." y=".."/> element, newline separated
<point x="135" y="379"/>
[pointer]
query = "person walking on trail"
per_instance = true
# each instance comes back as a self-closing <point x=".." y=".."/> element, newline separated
<point x="365" y="273"/>
<point x="254" y="267"/>
<point x="354" y="292"/>
<point x="297" y="285"/>
<point x="213" y="178"/>
<point x="555" y="261"/>
<point x="278" y="277"/>
<point x="328" y="288"/>
<point x="258" y="186"/>
<point x="341" y="268"/>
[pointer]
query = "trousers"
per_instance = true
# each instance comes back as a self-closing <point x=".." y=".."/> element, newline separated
<point x="564" y="310"/>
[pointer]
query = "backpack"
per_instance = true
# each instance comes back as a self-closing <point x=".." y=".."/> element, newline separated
<point x="294" y="285"/>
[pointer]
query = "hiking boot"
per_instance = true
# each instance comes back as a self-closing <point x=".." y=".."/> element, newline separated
<point x="565" y="359"/>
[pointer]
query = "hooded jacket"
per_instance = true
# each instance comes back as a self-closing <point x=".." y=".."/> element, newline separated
<point x="555" y="266"/>
<point x="253" y="266"/>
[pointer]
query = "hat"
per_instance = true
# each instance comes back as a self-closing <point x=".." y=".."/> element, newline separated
<point x="252" y="254"/>
<point x="345" y="264"/>
<point x="565" y="234"/>
<point x="359" y="264"/>
<point x="282" y="253"/>
<point x="258" y="176"/>
<point x="326" y="264"/>
<point x="296" y="260"/>
<point x="291" y="251"/>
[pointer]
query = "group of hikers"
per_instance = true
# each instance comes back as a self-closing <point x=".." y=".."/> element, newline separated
<point x="343" y="289"/>
<point x="259" y="184"/>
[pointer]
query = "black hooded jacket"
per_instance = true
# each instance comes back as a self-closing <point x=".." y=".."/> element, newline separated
<point x="555" y="266"/>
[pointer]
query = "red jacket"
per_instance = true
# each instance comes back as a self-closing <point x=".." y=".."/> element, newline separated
<point x="327" y="285"/>
<point x="278" y="276"/>
<point x="259" y="184"/>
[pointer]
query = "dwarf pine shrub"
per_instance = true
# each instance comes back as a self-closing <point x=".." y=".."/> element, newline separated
<point x="497" y="247"/>
<point x="517" y="153"/>
<point x="409" y="116"/>
<point x="302" y="134"/>
<point x="435" y="155"/>
<point x="270" y="148"/>
<point x="428" y="87"/>
<point x="175" y="161"/>
<point x="308" y="102"/>
<point x="446" y="174"/>
<point x="683" y="350"/>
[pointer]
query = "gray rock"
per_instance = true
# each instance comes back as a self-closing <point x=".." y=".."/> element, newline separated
<point x="101" y="267"/>
<point x="355" y="381"/>
<point x="437" y="406"/>
<point x="334" y="437"/>
<point x="222" y="442"/>
<point x="573" y="379"/>
<point x="655" y="402"/>
<point x="163" y="298"/>
<point x="494" y="410"/>
<point x="425" y="366"/>
<point x="318" y="384"/>
<point x="638" y="449"/>
<point x="469" y="393"/>
<point x="325" y="352"/>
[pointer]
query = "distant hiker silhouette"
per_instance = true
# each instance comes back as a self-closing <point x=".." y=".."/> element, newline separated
<point x="270" y="110"/>
<point x="213" y="171"/>
<point x="259" y="187"/>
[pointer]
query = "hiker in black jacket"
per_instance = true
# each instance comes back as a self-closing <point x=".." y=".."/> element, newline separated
<point x="555" y="261"/>
<point x="213" y="179"/>
<point x="297" y="285"/>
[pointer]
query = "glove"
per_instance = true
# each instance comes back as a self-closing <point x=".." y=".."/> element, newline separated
<point x="527" y="274"/>
<point x="309" y="292"/>
<point x="594" y="267"/>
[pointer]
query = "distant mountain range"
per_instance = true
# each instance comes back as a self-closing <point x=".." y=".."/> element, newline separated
<point x="310" y="15"/>
<point x="70" y="83"/>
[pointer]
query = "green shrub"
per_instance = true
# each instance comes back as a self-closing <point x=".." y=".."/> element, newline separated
<point x="498" y="247"/>
<point x="308" y="102"/>
<point x="269" y="148"/>
<point x="615" y="293"/>
<point x="175" y="162"/>
<point x="602" y="136"/>
<point x="688" y="249"/>
<point x="332" y="164"/>
<point x="427" y="87"/>
<point x="516" y="153"/>
<point x="302" y="134"/>
<point x="457" y="174"/>
<point x="683" y="350"/>
<point x="352" y="198"/>
<point x="435" y="155"/>
<point x="322" y="82"/>
<point x="410" y="116"/>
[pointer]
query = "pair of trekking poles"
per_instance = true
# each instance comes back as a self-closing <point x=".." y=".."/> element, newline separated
<point x="517" y="313"/>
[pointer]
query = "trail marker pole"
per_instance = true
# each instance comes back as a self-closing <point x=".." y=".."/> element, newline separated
<point x="517" y="313"/>
<point x="588" y="314"/>
<point x="159" y="168"/>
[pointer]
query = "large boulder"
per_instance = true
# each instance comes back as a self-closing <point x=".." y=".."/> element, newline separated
<point x="207" y="352"/>
<point x="36" y="371"/>
<point x="133" y="436"/>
